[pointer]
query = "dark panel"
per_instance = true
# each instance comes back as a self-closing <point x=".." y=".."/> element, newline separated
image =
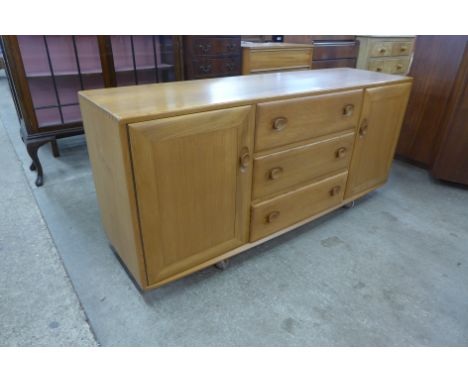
<point x="333" y="50"/>
<point x="452" y="160"/>
<point x="340" y="63"/>
<point x="435" y="66"/>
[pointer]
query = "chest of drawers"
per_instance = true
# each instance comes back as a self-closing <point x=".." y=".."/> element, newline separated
<point x="211" y="56"/>
<point x="190" y="173"/>
<point x="386" y="54"/>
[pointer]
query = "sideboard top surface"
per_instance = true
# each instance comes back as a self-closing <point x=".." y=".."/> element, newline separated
<point x="138" y="103"/>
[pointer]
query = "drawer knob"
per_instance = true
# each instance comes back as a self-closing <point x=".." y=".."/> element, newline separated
<point x="272" y="216"/>
<point x="402" y="49"/>
<point x="363" y="128"/>
<point x="378" y="69"/>
<point x="244" y="159"/>
<point x="399" y="66"/>
<point x="348" y="110"/>
<point x="275" y="173"/>
<point x="335" y="190"/>
<point x="382" y="50"/>
<point x="230" y="66"/>
<point x="204" y="48"/>
<point x="205" y="68"/>
<point x="279" y="124"/>
<point x="341" y="152"/>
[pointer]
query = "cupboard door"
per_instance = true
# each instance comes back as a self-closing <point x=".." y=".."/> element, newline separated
<point x="193" y="178"/>
<point x="379" y="127"/>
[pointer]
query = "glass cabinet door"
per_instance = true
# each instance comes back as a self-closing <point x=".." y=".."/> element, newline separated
<point x="56" y="68"/>
<point x="143" y="59"/>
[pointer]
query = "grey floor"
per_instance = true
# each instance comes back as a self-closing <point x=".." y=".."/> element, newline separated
<point x="391" y="271"/>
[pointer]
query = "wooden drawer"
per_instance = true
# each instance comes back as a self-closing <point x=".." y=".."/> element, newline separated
<point x="280" y="212"/>
<point x="209" y="47"/>
<point x="380" y="48"/>
<point x="335" y="50"/>
<point x="392" y="66"/>
<point x="277" y="59"/>
<point x="213" y="67"/>
<point x="402" y="48"/>
<point x="281" y="170"/>
<point x="287" y="121"/>
<point x="340" y="63"/>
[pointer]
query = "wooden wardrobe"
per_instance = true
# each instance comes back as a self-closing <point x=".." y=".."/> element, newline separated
<point x="435" y="129"/>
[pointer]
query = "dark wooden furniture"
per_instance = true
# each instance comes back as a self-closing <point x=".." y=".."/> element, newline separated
<point x="46" y="72"/>
<point x="212" y="56"/>
<point x="330" y="51"/>
<point x="435" y="129"/>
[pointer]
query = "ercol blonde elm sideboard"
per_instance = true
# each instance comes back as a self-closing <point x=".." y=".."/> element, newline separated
<point x="191" y="173"/>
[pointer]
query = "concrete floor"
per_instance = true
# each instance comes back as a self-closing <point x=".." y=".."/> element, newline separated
<point x="391" y="271"/>
<point x="38" y="306"/>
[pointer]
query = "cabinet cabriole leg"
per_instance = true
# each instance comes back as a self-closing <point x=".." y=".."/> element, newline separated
<point x="32" y="148"/>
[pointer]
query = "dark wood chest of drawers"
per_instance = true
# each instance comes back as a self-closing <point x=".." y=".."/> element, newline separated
<point x="212" y="56"/>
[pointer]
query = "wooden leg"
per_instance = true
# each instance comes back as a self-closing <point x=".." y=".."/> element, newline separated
<point x="32" y="148"/>
<point x="55" y="148"/>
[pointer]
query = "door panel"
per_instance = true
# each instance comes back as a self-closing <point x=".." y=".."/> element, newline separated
<point x="379" y="127"/>
<point x="193" y="180"/>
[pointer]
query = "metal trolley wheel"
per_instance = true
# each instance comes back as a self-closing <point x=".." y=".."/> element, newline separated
<point x="349" y="205"/>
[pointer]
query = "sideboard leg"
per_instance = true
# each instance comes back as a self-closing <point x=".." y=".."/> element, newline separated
<point x="349" y="205"/>
<point x="223" y="264"/>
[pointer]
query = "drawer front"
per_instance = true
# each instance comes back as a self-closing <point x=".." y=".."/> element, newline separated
<point x="381" y="48"/>
<point x="264" y="60"/>
<point x="402" y="48"/>
<point x="340" y="63"/>
<point x="283" y="122"/>
<point x="392" y="66"/>
<point x="280" y="212"/>
<point x="398" y="66"/>
<point x="281" y="170"/>
<point x="215" y="67"/>
<point x="213" y="47"/>
<point x="334" y="50"/>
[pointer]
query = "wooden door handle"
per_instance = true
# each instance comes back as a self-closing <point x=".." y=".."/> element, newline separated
<point x="348" y="110"/>
<point x="280" y="123"/>
<point x="335" y="190"/>
<point x="272" y="216"/>
<point x="275" y="173"/>
<point x="363" y="128"/>
<point x="341" y="152"/>
<point x="244" y="159"/>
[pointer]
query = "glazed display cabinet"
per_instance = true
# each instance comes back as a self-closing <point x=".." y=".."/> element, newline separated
<point x="46" y="72"/>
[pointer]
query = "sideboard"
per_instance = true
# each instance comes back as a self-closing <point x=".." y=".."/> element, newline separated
<point x="188" y="174"/>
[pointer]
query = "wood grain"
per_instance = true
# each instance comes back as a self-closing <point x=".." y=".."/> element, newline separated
<point x="435" y="67"/>
<point x="306" y="118"/>
<point x="145" y="102"/>
<point x="382" y="114"/>
<point x="107" y="143"/>
<point x="296" y="205"/>
<point x="282" y="170"/>
<point x="193" y="195"/>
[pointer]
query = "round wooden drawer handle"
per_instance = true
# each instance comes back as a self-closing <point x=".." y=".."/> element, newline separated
<point x="280" y="123"/>
<point x="244" y="159"/>
<point x="348" y="110"/>
<point x="275" y="173"/>
<point x="335" y="190"/>
<point x="382" y="50"/>
<point x="341" y="152"/>
<point x="272" y="216"/>
<point x="378" y="69"/>
<point x="399" y="66"/>
<point x="363" y="128"/>
<point x="403" y="49"/>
